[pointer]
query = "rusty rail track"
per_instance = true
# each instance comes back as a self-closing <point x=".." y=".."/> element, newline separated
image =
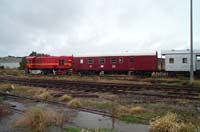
<point x="154" y="90"/>
<point x="90" y="110"/>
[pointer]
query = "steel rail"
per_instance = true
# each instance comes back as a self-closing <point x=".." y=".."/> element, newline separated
<point x="158" y="90"/>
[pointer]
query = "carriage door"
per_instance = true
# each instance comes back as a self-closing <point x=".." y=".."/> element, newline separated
<point x="61" y="62"/>
<point x="198" y="62"/>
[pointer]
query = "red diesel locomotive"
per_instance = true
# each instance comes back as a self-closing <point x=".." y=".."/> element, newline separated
<point x="94" y="64"/>
<point x="49" y="64"/>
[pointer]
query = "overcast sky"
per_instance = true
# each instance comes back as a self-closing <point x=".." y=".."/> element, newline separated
<point x="64" y="27"/>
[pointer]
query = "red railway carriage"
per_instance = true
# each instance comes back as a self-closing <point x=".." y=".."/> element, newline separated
<point x="49" y="64"/>
<point x="141" y="63"/>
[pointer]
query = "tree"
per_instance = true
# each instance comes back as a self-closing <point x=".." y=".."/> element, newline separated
<point x="33" y="53"/>
<point x="22" y="64"/>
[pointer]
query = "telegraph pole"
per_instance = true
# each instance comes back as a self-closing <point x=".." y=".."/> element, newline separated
<point x="191" y="44"/>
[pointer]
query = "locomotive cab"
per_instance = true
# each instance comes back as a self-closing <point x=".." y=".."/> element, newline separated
<point x="49" y="64"/>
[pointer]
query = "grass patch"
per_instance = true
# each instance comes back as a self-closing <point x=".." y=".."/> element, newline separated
<point x="188" y="114"/>
<point x="37" y="119"/>
<point x="74" y="103"/>
<point x="159" y="107"/>
<point x="134" y="114"/>
<point x="171" y="123"/>
<point x="132" y="119"/>
<point x="143" y="118"/>
<point x="5" y="87"/>
<point x="23" y="90"/>
<point x="65" y="97"/>
<point x="151" y="111"/>
<point x="148" y="115"/>
<point x="182" y="102"/>
<point x="71" y="129"/>
<point x="45" y="95"/>
<point x="196" y="83"/>
<point x="137" y="110"/>
<point x="122" y="110"/>
<point x="13" y="72"/>
<point x="103" y="105"/>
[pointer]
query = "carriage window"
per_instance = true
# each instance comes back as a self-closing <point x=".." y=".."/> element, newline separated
<point x="90" y="61"/>
<point x="65" y="60"/>
<point x="131" y="60"/>
<point x="101" y="60"/>
<point x="113" y="60"/>
<point x="121" y="60"/>
<point x="81" y="61"/>
<point x="171" y="60"/>
<point x="184" y="60"/>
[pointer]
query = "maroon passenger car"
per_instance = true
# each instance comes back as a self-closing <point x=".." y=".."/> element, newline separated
<point x="129" y="63"/>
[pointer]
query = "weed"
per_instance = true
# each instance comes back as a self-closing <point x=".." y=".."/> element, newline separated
<point x="132" y="119"/>
<point x="75" y="103"/>
<point x="141" y="118"/>
<point x="134" y="114"/>
<point x="103" y="105"/>
<point x="22" y="90"/>
<point x="19" y="90"/>
<point x="137" y="110"/>
<point x="14" y="72"/>
<point x="183" y="102"/>
<point x="65" y="97"/>
<point x="36" y="119"/>
<point x="170" y="123"/>
<point x="45" y="95"/>
<point x="123" y="109"/>
<point x="5" y="87"/>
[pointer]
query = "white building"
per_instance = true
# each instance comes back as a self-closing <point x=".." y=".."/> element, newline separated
<point x="11" y="65"/>
<point x="179" y="60"/>
<point x="10" y="61"/>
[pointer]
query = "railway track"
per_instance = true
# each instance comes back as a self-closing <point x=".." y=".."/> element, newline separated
<point x="155" y="90"/>
<point x="90" y="110"/>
